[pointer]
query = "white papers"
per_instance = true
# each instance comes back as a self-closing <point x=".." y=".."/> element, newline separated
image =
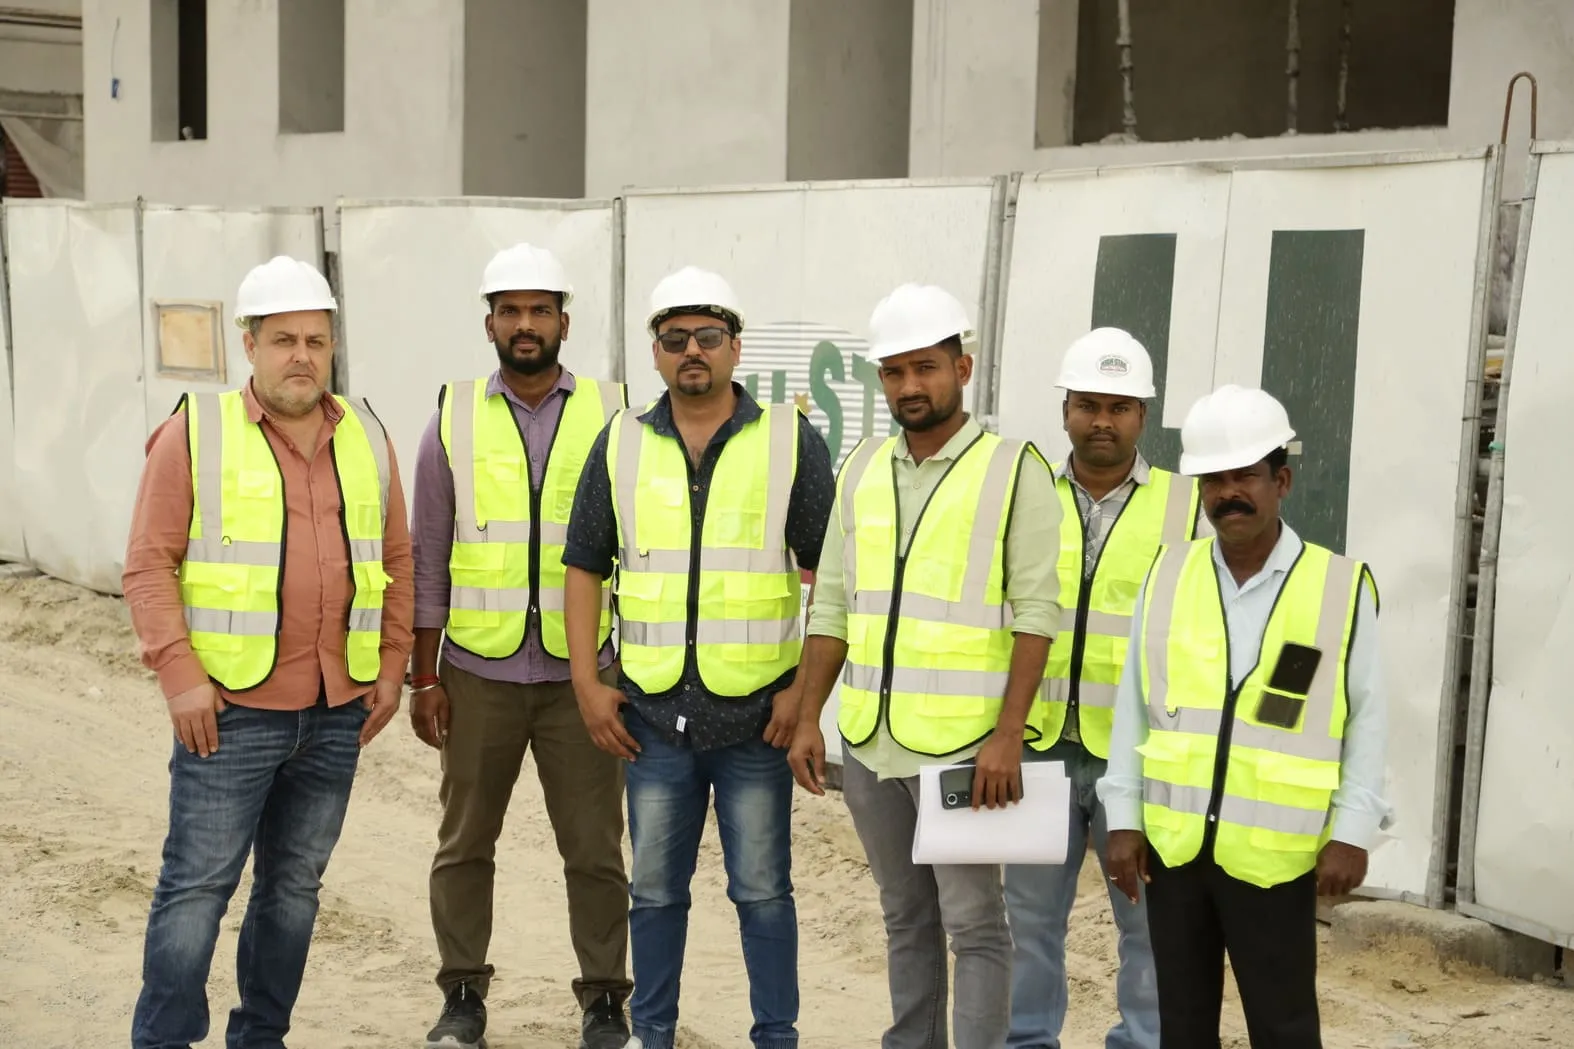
<point x="1034" y="830"/>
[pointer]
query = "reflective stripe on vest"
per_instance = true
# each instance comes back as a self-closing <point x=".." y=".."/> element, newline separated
<point x="232" y="573"/>
<point x="500" y="569"/>
<point x="928" y="632"/>
<point x="738" y="576"/>
<point x="1273" y="813"/>
<point x="1095" y="623"/>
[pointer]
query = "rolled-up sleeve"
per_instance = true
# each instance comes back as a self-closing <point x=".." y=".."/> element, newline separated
<point x="592" y="543"/>
<point x="1120" y="789"/>
<point x="1360" y="812"/>
<point x="1032" y="542"/>
<point x="828" y="614"/>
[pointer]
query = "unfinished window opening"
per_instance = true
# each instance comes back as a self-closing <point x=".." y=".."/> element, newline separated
<point x="179" y="80"/>
<point x="311" y="66"/>
<point x="1173" y="70"/>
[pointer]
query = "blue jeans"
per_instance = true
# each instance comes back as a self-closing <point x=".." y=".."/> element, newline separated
<point x="279" y="783"/>
<point x="669" y="789"/>
<point x="1038" y="902"/>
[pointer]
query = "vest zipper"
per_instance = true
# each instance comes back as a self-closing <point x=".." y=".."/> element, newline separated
<point x="533" y="613"/>
<point x="696" y="536"/>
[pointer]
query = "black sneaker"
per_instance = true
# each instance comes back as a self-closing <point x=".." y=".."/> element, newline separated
<point x="463" y="1023"/>
<point x="603" y="1026"/>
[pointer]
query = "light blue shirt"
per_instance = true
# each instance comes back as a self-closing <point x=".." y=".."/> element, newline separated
<point x="1359" y="811"/>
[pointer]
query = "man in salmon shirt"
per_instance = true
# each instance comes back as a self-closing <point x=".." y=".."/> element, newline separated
<point x="268" y="574"/>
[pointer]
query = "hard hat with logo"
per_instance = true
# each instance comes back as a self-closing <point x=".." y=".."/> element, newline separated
<point x="281" y="285"/>
<point x="693" y="290"/>
<point x="525" y="267"/>
<point x="1231" y="428"/>
<point x="1107" y="360"/>
<point x="915" y="317"/>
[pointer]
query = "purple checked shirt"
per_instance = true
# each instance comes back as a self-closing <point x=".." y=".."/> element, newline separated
<point x="432" y="536"/>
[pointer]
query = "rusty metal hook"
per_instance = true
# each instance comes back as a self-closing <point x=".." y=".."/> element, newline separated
<point x="1508" y="105"/>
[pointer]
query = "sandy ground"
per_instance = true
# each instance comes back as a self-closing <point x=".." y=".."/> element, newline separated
<point x="83" y="789"/>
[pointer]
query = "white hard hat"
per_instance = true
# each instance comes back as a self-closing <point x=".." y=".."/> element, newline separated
<point x="693" y="290"/>
<point x="1107" y="360"/>
<point x="281" y="285"/>
<point x="1231" y="428"/>
<point x="525" y="267"/>
<point x="914" y="317"/>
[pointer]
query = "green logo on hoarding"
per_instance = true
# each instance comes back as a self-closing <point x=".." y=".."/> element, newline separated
<point x="822" y="369"/>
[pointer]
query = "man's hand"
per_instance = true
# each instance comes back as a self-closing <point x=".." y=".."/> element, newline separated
<point x="194" y="713"/>
<point x="600" y="706"/>
<point x="784" y="716"/>
<point x="997" y="780"/>
<point x="429" y="716"/>
<point x="1341" y="869"/>
<point x="1128" y="861"/>
<point x="806" y="757"/>
<point x="383" y="702"/>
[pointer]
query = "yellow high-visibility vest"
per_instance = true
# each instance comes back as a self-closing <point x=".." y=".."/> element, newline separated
<point x="929" y="631"/>
<point x="506" y="563"/>
<point x="1272" y="808"/>
<point x="733" y="592"/>
<point x="230" y="578"/>
<point x="1095" y="619"/>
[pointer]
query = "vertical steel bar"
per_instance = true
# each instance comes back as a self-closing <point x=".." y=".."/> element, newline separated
<point x="1347" y="16"/>
<point x="1128" y="88"/>
<point x="1292" y="70"/>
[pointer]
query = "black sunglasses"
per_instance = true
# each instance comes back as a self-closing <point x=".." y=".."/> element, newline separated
<point x="676" y="340"/>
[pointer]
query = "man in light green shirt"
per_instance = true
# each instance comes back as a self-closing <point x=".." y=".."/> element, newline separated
<point x="951" y="624"/>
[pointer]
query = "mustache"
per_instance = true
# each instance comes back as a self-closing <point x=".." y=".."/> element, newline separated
<point x="693" y="363"/>
<point x="522" y="339"/>
<point x="906" y="402"/>
<point x="1234" y="506"/>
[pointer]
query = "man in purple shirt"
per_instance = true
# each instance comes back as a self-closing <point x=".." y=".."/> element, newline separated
<point x="494" y="483"/>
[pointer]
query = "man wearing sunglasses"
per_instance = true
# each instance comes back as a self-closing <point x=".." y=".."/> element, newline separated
<point x="710" y="504"/>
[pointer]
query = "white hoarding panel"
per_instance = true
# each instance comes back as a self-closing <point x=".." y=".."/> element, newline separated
<point x="1524" y="825"/>
<point x="193" y="260"/>
<point x="12" y="547"/>
<point x="81" y="418"/>
<point x="410" y="272"/>
<point x="1138" y="249"/>
<point x="808" y="265"/>
<point x="1347" y="293"/>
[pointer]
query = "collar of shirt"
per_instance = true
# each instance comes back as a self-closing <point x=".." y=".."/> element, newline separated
<point x="659" y="416"/>
<point x="495" y="385"/>
<point x="1278" y="565"/>
<point x="256" y="412"/>
<point x="969" y="433"/>
<point x="1139" y="473"/>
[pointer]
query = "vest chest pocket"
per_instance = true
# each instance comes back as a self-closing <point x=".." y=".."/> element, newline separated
<point x="1291" y="781"/>
<point x="257" y="485"/>
<point x="480" y="565"/>
<point x="504" y="469"/>
<point x="363" y="519"/>
<point x="1178" y="758"/>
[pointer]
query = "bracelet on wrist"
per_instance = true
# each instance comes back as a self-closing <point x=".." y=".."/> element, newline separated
<point x="422" y="680"/>
<point x="424" y="688"/>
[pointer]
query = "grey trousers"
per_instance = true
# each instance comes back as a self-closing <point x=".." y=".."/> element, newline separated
<point x="922" y="906"/>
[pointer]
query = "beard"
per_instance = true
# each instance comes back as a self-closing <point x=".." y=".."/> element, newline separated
<point x="694" y="380"/>
<point x="524" y="355"/>
<point x="287" y="399"/>
<point x="921" y="414"/>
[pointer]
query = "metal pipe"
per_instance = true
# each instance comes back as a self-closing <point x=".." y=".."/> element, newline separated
<point x="991" y="321"/>
<point x="1461" y="578"/>
<point x="1346" y="17"/>
<point x="1128" y="91"/>
<point x="619" y="289"/>
<point x="1292" y="70"/>
<point x="1491" y="535"/>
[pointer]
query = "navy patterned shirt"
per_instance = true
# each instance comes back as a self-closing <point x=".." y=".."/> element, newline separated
<point x="687" y="714"/>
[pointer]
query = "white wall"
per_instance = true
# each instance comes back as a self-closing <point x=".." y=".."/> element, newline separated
<point x="403" y="112"/>
<point x="848" y="89"/>
<point x="685" y="92"/>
